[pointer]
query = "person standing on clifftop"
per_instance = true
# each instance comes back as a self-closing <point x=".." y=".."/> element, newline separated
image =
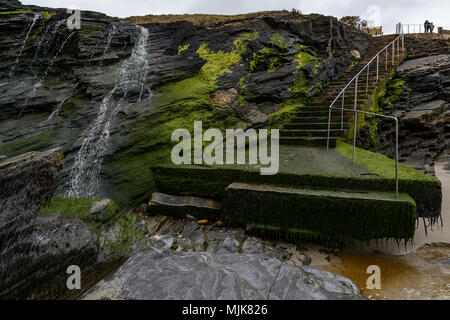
<point x="426" y="26"/>
<point x="431" y="27"/>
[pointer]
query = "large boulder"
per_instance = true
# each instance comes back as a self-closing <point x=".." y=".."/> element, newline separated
<point x="157" y="273"/>
<point x="36" y="250"/>
<point x="184" y="260"/>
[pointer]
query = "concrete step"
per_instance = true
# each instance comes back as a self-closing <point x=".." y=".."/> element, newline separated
<point x="323" y="119"/>
<point x="285" y="133"/>
<point x="349" y="92"/>
<point x="338" y="214"/>
<point x="317" y="113"/>
<point x="348" y="100"/>
<point x="309" y="141"/>
<point x="179" y="207"/>
<point x="314" y="126"/>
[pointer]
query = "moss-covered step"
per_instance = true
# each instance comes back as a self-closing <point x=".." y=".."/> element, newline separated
<point x="337" y="214"/>
<point x="180" y="207"/>
<point x="308" y="167"/>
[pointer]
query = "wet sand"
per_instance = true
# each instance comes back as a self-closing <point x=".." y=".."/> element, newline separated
<point x="419" y="271"/>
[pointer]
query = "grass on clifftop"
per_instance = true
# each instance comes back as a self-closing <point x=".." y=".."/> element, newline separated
<point x="199" y="19"/>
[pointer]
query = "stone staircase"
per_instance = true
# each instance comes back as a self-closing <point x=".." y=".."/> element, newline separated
<point x="309" y="126"/>
<point x="300" y="203"/>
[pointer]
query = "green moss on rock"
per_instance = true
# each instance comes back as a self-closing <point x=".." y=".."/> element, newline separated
<point x="79" y="208"/>
<point x="37" y="142"/>
<point x="4" y="14"/>
<point x="182" y="48"/>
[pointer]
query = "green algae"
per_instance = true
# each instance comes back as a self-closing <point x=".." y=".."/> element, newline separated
<point x="182" y="48"/>
<point x="47" y="15"/>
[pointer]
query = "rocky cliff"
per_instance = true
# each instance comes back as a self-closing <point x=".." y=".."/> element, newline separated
<point x="419" y="95"/>
<point x="111" y="93"/>
<point x="36" y="250"/>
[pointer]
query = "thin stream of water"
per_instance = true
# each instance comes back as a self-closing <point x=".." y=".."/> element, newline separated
<point x="35" y="18"/>
<point x="58" y="108"/>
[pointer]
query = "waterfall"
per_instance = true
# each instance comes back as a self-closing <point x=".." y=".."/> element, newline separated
<point x="108" y="41"/>
<point x="39" y="83"/>
<point x="35" y="18"/>
<point x="46" y="40"/>
<point x="58" y="108"/>
<point x="130" y="80"/>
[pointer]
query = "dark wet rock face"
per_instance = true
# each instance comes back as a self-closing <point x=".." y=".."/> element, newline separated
<point x="54" y="83"/>
<point x="186" y="261"/>
<point x="35" y="251"/>
<point x="423" y="108"/>
<point x="422" y="46"/>
<point x="10" y="4"/>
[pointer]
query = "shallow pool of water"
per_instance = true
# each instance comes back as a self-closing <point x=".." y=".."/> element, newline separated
<point x="419" y="271"/>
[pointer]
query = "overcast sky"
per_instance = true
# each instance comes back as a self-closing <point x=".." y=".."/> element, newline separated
<point x="382" y="12"/>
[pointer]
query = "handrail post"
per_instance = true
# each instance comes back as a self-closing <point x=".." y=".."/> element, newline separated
<point x="396" y="156"/>
<point x="342" y="112"/>
<point x="329" y="125"/>
<point x="386" y="66"/>
<point x="398" y="47"/>
<point x="355" y="116"/>
<point x="367" y="83"/>
<point x="378" y="65"/>
<point x="393" y="53"/>
<point x="403" y="43"/>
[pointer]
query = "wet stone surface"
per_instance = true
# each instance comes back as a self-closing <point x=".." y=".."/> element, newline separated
<point x="183" y="260"/>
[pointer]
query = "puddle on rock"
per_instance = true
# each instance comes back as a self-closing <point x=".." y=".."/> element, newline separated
<point x="421" y="271"/>
<point x="416" y="276"/>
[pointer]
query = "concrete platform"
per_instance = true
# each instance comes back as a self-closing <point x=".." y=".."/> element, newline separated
<point x="335" y="214"/>
<point x="353" y="188"/>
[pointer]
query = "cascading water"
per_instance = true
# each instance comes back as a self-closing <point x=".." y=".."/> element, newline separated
<point x="111" y="33"/>
<point x="33" y="22"/>
<point x="38" y="84"/>
<point x="58" y="108"/>
<point x="129" y="82"/>
<point x="53" y="59"/>
<point x="47" y="38"/>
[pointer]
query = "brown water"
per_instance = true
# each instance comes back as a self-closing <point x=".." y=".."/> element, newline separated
<point x="411" y="273"/>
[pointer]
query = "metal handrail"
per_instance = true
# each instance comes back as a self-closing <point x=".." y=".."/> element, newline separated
<point x="396" y="137"/>
<point x="414" y="27"/>
<point x="395" y="43"/>
<point x="409" y="26"/>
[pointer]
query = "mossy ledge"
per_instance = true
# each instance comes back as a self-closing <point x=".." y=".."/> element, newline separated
<point x="211" y="182"/>
<point x="360" y="216"/>
<point x="424" y="189"/>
